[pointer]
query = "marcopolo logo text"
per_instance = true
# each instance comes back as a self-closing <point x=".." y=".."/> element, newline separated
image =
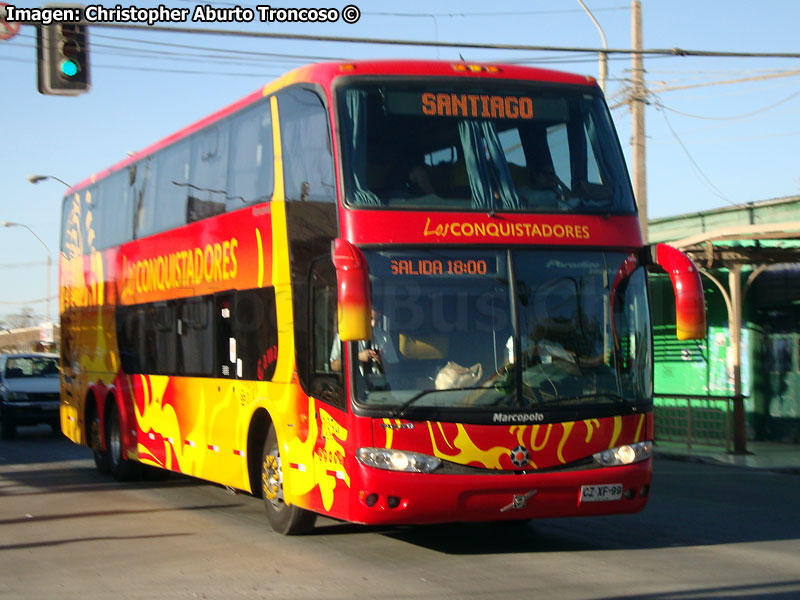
<point x="535" y="417"/>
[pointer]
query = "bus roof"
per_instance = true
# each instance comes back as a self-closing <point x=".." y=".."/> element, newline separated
<point x="325" y="73"/>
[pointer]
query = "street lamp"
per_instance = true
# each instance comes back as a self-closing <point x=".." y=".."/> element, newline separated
<point x="603" y="68"/>
<point x="48" y="263"/>
<point x="37" y="178"/>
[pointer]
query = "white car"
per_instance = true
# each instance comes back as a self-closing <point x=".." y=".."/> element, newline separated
<point x="29" y="391"/>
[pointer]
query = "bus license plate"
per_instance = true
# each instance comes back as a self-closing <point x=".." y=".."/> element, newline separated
<point x="601" y="493"/>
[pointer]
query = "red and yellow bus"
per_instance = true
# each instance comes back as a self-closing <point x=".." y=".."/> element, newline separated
<point x="382" y="291"/>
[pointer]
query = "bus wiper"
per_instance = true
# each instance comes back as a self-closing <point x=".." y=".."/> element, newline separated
<point x="400" y="410"/>
<point x="568" y="399"/>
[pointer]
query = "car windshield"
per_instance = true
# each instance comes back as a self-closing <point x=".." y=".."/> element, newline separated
<point x="519" y="147"/>
<point x="30" y="366"/>
<point x="449" y="334"/>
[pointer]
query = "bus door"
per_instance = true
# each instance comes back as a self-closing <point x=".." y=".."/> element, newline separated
<point x="327" y="387"/>
<point x="247" y="352"/>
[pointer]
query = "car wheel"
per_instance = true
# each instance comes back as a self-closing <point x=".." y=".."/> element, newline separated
<point x="285" y="519"/>
<point x="121" y="468"/>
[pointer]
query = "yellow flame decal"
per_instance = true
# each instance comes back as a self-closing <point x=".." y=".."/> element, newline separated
<point x="534" y="435"/>
<point x="617" y="429"/>
<point x="331" y="459"/>
<point x="638" y="435"/>
<point x="469" y="452"/>
<point x="389" y="432"/>
<point x="299" y="483"/>
<point x="520" y="433"/>
<point x="567" y="430"/>
<point x="591" y="425"/>
<point x="444" y="437"/>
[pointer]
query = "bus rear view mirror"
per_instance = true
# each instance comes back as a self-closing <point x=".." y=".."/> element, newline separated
<point x="690" y="305"/>
<point x="353" y="292"/>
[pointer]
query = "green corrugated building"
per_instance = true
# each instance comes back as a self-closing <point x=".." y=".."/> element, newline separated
<point x="759" y="244"/>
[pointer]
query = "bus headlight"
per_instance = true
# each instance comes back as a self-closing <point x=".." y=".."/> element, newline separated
<point x="397" y="460"/>
<point x="624" y="455"/>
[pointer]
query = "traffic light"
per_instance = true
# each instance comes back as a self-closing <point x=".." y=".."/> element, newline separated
<point x="63" y="59"/>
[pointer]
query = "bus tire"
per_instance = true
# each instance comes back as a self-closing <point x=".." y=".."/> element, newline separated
<point x="120" y="467"/>
<point x="96" y="443"/>
<point x="285" y="519"/>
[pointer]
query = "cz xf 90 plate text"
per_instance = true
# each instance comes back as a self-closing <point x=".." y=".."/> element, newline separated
<point x="601" y="493"/>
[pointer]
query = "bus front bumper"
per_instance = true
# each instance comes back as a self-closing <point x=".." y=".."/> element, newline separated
<point x="387" y="497"/>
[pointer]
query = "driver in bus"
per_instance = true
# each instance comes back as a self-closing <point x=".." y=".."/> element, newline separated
<point x="372" y="354"/>
<point x="537" y="345"/>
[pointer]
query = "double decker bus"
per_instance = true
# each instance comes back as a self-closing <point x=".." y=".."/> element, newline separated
<point x="384" y="291"/>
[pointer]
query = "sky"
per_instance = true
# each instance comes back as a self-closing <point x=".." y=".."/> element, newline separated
<point x="719" y="131"/>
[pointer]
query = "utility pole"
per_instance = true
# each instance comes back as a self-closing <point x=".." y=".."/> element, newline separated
<point x="602" y="69"/>
<point x="637" y="102"/>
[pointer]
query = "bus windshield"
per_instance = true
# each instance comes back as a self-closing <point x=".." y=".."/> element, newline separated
<point x="449" y="334"/>
<point x="521" y="148"/>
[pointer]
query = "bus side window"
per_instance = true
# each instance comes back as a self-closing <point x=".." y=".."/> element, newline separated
<point x="143" y="186"/>
<point x="326" y="384"/>
<point x="250" y="166"/>
<point x="206" y="192"/>
<point x="306" y="146"/>
<point x="164" y="203"/>
<point x="247" y="334"/>
<point x="255" y="327"/>
<point x="112" y="213"/>
<point x="161" y="323"/>
<point x="129" y="337"/>
<point x="196" y="333"/>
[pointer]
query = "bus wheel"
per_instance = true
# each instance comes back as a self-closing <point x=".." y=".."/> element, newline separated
<point x="284" y="518"/>
<point x="121" y="468"/>
<point x="95" y="443"/>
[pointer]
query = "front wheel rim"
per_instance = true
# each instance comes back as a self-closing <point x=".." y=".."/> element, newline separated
<point x="272" y="479"/>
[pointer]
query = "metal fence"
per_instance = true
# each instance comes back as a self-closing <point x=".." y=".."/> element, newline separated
<point x="694" y="420"/>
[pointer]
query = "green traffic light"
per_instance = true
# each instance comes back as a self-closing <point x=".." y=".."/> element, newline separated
<point x="69" y="68"/>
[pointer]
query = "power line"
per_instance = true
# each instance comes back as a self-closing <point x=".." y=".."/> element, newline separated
<point x="458" y="14"/>
<point x="160" y="70"/>
<point x="682" y="52"/>
<point x="734" y="117"/>
<point x="714" y="189"/>
<point x="303" y="57"/>
<point x="22" y="265"/>
<point x="221" y="55"/>
<point x="776" y="75"/>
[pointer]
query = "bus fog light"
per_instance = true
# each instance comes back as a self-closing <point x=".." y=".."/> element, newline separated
<point x="397" y="460"/>
<point x="624" y="455"/>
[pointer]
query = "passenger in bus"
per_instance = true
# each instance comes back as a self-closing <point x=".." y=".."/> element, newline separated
<point x="542" y="192"/>
<point x="401" y="171"/>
